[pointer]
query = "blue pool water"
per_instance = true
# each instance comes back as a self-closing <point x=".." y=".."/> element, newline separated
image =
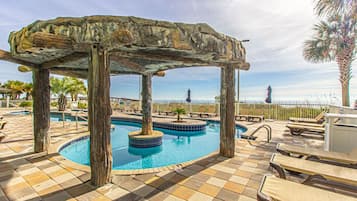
<point x="177" y="147"/>
<point x="67" y="117"/>
<point x="24" y="112"/>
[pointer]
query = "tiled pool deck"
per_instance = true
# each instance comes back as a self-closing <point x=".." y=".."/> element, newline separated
<point x="27" y="176"/>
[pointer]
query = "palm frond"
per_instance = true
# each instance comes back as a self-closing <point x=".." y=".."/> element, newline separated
<point x="318" y="50"/>
<point x="333" y="7"/>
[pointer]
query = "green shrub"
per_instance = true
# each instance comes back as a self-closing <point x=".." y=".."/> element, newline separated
<point x="54" y="104"/>
<point x="26" y="104"/>
<point x="82" y="105"/>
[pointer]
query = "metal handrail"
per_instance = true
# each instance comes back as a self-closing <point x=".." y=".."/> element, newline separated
<point x="266" y="127"/>
<point x="79" y="117"/>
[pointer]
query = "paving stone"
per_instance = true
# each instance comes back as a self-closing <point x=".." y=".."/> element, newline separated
<point x="11" y="181"/>
<point x="168" y="186"/>
<point x="43" y="185"/>
<point x="183" y="192"/>
<point x="157" y="196"/>
<point x="250" y="192"/>
<point x="209" y="189"/>
<point x="227" y="195"/>
<point x="200" y="196"/>
<point x="237" y="188"/>
<point x="116" y="193"/>
<point x="71" y="182"/>
<point x="201" y="177"/>
<point x="222" y="175"/>
<point x="245" y="198"/>
<point x="239" y="180"/>
<point x="61" y="195"/>
<point x="130" y="184"/>
<point x="91" y="195"/>
<point x="143" y="190"/>
<point x="130" y="197"/>
<point x="216" y="181"/>
<point x="49" y="190"/>
<point x="193" y="184"/>
<point x="78" y="190"/>
<point x="173" y="198"/>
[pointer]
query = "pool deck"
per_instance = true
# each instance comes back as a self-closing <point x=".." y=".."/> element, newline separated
<point x="28" y="176"/>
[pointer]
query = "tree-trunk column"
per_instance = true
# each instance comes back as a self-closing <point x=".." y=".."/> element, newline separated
<point x="99" y="116"/>
<point x="346" y="93"/>
<point x="146" y="104"/>
<point x="227" y="129"/>
<point x="41" y="109"/>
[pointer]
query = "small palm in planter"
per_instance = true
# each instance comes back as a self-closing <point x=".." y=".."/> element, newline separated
<point x="179" y="112"/>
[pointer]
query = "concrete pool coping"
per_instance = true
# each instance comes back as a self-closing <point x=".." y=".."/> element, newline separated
<point x="56" y="148"/>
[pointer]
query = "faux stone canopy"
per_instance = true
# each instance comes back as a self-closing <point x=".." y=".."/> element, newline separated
<point x="134" y="45"/>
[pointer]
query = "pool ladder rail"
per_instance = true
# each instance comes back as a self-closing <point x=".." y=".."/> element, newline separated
<point x="266" y="127"/>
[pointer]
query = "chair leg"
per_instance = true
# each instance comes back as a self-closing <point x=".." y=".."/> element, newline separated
<point x="296" y="131"/>
<point x="312" y="179"/>
<point x="318" y="179"/>
<point x="279" y="169"/>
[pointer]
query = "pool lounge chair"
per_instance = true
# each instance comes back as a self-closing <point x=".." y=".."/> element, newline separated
<point x="299" y="128"/>
<point x="317" y="120"/>
<point x="250" y="118"/>
<point x="273" y="188"/>
<point x="167" y="113"/>
<point x="255" y="118"/>
<point x="335" y="158"/>
<point x="193" y="114"/>
<point x="241" y="117"/>
<point x="318" y="173"/>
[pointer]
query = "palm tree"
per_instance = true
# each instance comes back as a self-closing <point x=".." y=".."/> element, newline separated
<point x="76" y="87"/>
<point x="334" y="40"/>
<point x="16" y="87"/>
<point x="60" y="87"/>
<point x="179" y="112"/>
<point x="28" y="88"/>
<point x="63" y="87"/>
<point x="333" y="7"/>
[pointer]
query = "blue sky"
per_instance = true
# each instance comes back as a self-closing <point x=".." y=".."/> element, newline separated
<point x="276" y="30"/>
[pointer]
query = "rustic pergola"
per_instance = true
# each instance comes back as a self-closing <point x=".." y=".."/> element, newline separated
<point x="96" y="47"/>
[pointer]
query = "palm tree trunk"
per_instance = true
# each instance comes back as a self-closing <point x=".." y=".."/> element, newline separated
<point x="62" y="103"/>
<point x="346" y="93"/>
<point x="344" y="60"/>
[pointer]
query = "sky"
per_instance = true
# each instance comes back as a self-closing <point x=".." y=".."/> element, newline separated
<point x="276" y="29"/>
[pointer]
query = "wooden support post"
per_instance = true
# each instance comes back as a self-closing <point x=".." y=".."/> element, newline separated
<point x="99" y="116"/>
<point x="41" y="109"/>
<point x="146" y="104"/>
<point x="228" y="128"/>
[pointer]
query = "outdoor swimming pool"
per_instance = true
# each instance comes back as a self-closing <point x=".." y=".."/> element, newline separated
<point x="177" y="147"/>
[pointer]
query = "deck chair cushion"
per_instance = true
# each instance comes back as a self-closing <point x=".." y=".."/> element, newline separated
<point x="275" y="188"/>
<point x="331" y="172"/>
<point x="321" y="154"/>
